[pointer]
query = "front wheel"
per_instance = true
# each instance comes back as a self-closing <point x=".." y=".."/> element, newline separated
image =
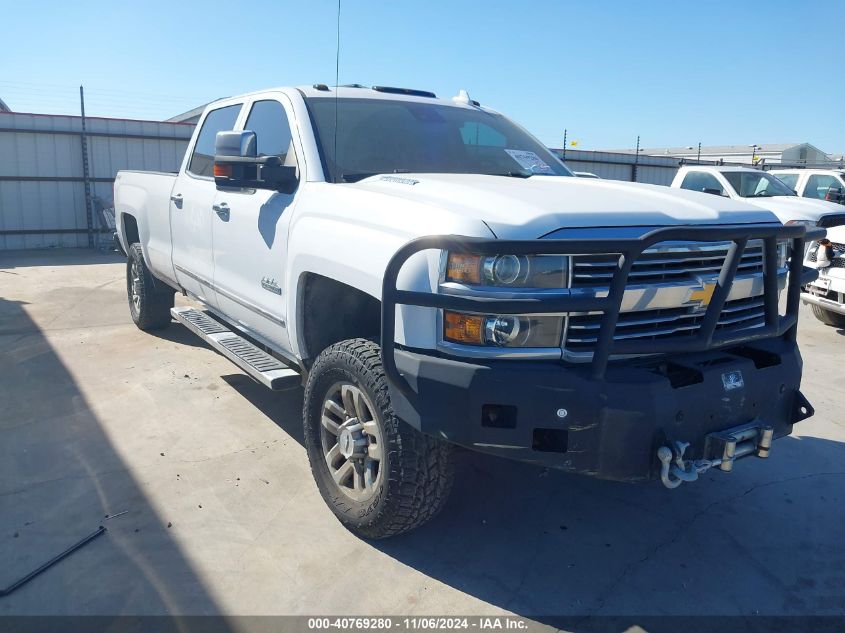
<point x="379" y="475"/>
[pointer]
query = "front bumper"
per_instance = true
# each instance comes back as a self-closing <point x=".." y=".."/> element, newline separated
<point x="555" y="415"/>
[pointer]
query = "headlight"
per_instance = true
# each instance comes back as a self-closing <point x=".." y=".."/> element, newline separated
<point x="502" y="330"/>
<point x="514" y="271"/>
<point x="802" y="222"/>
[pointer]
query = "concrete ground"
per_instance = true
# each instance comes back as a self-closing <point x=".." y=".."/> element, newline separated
<point x="222" y="515"/>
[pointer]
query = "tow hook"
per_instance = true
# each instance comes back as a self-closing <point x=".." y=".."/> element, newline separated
<point x="723" y="449"/>
<point x="674" y="474"/>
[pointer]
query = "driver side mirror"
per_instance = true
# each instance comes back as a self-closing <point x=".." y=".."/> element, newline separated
<point x="715" y="192"/>
<point x="238" y="166"/>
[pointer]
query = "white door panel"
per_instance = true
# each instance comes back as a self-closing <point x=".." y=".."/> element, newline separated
<point x="249" y="255"/>
<point x="191" y="226"/>
<point x="191" y="207"/>
<point x="250" y="241"/>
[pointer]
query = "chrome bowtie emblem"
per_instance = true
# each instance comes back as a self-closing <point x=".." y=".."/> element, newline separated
<point x="702" y="296"/>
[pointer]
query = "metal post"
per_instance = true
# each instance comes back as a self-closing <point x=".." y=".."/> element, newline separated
<point x="698" y="159"/>
<point x="636" y="161"/>
<point x="86" y="176"/>
<point x="563" y="158"/>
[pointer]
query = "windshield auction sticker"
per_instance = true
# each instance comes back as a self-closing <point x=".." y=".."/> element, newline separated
<point x="529" y="161"/>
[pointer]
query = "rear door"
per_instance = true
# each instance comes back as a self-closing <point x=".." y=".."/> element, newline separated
<point x="250" y="238"/>
<point x="191" y="212"/>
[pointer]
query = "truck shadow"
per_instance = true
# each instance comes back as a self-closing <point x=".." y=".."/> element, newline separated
<point x="570" y="551"/>
<point x="60" y="476"/>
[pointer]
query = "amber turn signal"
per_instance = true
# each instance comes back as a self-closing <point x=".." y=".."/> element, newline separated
<point x="222" y="171"/>
<point x="463" y="268"/>
<point x="463" y="328"/>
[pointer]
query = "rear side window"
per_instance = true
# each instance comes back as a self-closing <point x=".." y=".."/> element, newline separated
<point x="272" y="131"/>
<point x="220" y="120"/>
<point x="817" y="186"/>
<point x="701" y="181"/>
<point x="790" y="180"/>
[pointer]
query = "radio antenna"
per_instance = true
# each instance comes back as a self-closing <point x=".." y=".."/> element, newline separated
<point x="336" y="82"/>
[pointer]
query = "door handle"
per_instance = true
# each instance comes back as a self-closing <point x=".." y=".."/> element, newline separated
<point x="222" y="210"/>
<point x="176" y="199"/>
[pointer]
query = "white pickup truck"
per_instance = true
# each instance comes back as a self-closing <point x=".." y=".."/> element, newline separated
<point x="436" y="277"/>
<point x="826" y="294"/>
<point x="818" y="184"/>
<point x="762" y="189"/>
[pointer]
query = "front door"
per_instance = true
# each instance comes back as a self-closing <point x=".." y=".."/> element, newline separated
<point x="250" y="235"/>
<point x="191" y="212"/>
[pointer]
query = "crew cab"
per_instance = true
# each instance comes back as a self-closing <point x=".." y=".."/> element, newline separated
<point x="759" y="188"/>
<point x="818" y="184"/>
<point x="435" y="276"/>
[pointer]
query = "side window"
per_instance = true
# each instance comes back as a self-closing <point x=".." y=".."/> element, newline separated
<point x="221" y="120"/>
<point x="817" y="186"/>
<point x="701" y="181"/>
<point x="790" y="180"/>
<point x="272" y="131"/>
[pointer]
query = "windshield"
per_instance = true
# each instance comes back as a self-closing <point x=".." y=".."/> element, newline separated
<point x="378" y="136"/>
<point x="756" y="184"/>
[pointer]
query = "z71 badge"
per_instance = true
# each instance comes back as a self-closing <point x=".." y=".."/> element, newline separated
<point x="732" y="380"/>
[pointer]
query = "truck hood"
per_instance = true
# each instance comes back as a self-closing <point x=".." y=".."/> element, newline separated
<point x="794" y="208"/>
<point x="528" y="208"/>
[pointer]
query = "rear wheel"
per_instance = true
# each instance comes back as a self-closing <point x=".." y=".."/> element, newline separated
<point x="379" y="476"/>
<point x="828" y="317"/>
<point x="150" y="300"/>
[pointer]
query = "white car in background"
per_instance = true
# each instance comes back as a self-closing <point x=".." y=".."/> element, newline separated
<point x="760" y="189"/>
<point x="817" y="184"/>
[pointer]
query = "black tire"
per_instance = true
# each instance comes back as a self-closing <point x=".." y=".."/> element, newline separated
<point x="150" y="300"/>
<point x="415" y="471"/>
<point x="827" y="317"/>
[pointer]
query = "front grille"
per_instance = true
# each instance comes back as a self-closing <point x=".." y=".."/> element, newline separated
<point x="737" y="315"/>
<point x="838" y="262"/>
<point x="669" y="264"/>
<point x="666" y="264"/>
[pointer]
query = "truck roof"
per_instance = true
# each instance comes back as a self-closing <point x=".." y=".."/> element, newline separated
<point x="719" y="168"/>
<point x="802" y="170"/>
<point x="353" y="91"/>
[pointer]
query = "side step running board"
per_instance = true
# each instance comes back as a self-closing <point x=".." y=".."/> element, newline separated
<point x="266" y="369"/>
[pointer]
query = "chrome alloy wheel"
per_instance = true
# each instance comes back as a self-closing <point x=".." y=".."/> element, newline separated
<point x="352" y="441"/>
<point x="136" y="285"/>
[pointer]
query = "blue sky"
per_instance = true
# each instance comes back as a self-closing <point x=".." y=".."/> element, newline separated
<point x="675" y="73"/>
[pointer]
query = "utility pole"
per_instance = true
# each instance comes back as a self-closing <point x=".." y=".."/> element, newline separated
<point x="86" y="176"/>
<point x="636" y="161"/>
<point x="563" y="158"/>
<point x="698" y="159"/>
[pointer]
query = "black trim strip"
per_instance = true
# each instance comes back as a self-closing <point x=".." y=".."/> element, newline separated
<point x="231" y="296"/>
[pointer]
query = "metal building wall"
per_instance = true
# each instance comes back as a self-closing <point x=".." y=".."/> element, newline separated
<point x="42" y="193"/>
<point x="655" y="170"/>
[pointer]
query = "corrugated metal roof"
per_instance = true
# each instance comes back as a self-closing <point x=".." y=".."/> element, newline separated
<point x="717" y="149"/>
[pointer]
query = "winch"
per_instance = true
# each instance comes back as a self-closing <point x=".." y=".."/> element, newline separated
<point x="721" y="449"/>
